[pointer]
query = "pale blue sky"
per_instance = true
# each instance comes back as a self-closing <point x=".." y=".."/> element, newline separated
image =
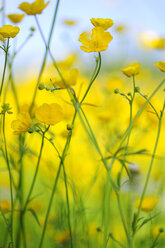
<point x="138" y="15"/>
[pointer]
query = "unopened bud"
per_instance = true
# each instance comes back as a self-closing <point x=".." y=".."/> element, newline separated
<point x="116" y="91"/>
<point x="41" y="86"/>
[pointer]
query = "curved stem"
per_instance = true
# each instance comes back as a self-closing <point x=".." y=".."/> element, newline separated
<point x="67" y="144"/>
<point x="10" y="179"/>
<point x="94" y="76"/>
<point x="46" y="53"/>
<point x="148" y="175"/>
<point x="36" y="171"/>
<point x="4" y="69"/>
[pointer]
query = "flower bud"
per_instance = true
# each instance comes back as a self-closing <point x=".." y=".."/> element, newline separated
<point x="116" y="91"/>
<point x="41" y="86"/>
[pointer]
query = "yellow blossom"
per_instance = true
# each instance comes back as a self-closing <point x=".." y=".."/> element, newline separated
<point x="9" y="31"/>
<point x="158" y="43"/>
<point x="97" y="41"/>
<point x="132" y="70"/>
<point x="160" y="65"/>
<point x="16" y="18"/>
<point x="70" y="77"/>
<point x="120" y="28"/>
<point x="69" y="22"/>
<point x="33" y="8"/>
<point x="1" y="38"/>
<point x="148" y="203"/>
<point x="5" y="205"/>
<point x="68" y="62"/>
<point x="49" y="114"/>
<point x="103" y="23"/>
<point x="152" y="40"/>
<point x="22" y="124"/>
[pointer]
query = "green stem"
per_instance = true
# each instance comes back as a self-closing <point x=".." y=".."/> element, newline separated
<point x="94" y="77"/>
<point x="46" y="53"/>
<point x="10" y="77"/>
<point x="155" y="241"/>
<point x="130" y="123"/>
<point x="10" y="179"/>
<point x="68" y="206"/>
<point x="36" y="171"/>
<point x="4" y="69"/>
<point x="149" y="104"/>
<point x="67" y="144"/>
<point x="148" y="174"/>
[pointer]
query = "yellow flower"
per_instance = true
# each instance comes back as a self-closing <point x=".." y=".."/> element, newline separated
<point x="152" y="40"/>
<point x="9" y="31"/>
<point x="1" y="38"/>
<point x="160" y="65"/>
<point x="158" y="43"/>
<point x="69" y="22"/>
<point x="16" y="18"/>
<point x="132" y="70"/>
<point x="148" y="203"/>
<point x="33" y="8"/>
<point x="69" y="76"/>
<point x="103" y="23"/>
<point x="49" y="114"/>
<point x="22" y="124"/>
<point x="5" y="205"/>
<point x="96" y="42"/>
<point x="120" y="28"/>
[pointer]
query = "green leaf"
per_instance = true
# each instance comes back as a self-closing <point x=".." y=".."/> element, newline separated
<point x="34" y="215"/>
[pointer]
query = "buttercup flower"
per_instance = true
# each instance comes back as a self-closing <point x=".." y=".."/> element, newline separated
<point x="33" y="8"/>
<point x="9" y="31"/>
<point x="22" y="124"/>
<point x="152" y="40"/>
<point x="158" y="43"/>
<point x="160" y="65"/>
<point x="103" y="23"/>
<point x="1" y="38"/>
<point x="5" y="205"/>
<point x="132" y="70"/>
<point x="96" y="42"/>
<point x="120" y="28"/>
<point x="69" y="22"/>
<point x="49" y="114"/>
<point x="69" y="76"/>
<point x="148" y="203"/>
<point x="16" y="18"/>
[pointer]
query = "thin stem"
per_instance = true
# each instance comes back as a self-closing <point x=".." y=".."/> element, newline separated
<point x="68" y="206"/>
<point x="70" y="91"/>
<point x="67" y="144"/>
<point x="10" y="179"/>
<point x="155" y="240"/>
<point x="148" y="173"/>
<point x="150" y="104"/>
<point x="46" y="53"/>
<point x="36" y="171"/>
<point x="4" y="69"/>
<point x="94" y="77"/>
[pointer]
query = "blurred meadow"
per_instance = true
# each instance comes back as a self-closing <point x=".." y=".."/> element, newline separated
<point x="82" y="124"/>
